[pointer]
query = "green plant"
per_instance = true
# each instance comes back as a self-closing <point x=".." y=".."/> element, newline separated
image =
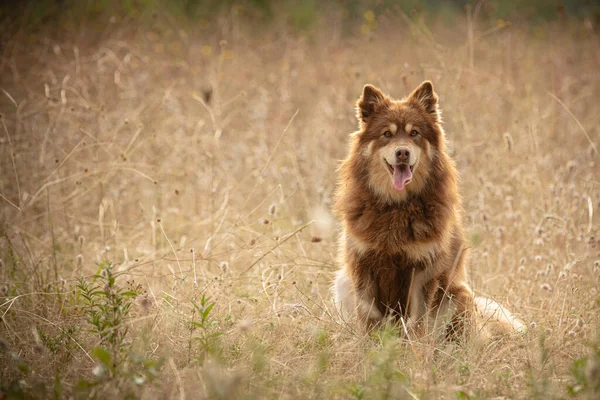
<point x="123" y="376"/>
<point x="24" y="383"/>
<point x="586" y="374"/>
<point x="207" y="329"/>
<point x="385" y="380"/>
<point x="107" y="306"/>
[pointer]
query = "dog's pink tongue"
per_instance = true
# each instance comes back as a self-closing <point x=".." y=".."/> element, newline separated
<point x="402" y="175"/>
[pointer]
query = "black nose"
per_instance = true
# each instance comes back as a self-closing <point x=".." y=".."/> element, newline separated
<point x="403" y="154"/>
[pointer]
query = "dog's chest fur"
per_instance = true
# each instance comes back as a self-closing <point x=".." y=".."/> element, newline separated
<point x="399" y="228"/>
<point x="391" y="246"/>
<point x="389" y="277"/>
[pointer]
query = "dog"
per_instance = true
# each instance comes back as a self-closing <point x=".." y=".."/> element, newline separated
<point x="402" y="249"/>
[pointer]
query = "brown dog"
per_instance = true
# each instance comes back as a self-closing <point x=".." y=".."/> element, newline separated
<point x="402" y="247"/>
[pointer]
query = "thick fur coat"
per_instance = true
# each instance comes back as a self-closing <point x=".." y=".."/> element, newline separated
<point x="402" y="248"/>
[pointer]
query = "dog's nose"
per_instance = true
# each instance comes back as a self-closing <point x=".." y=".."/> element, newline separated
<point x="403" y="154"/>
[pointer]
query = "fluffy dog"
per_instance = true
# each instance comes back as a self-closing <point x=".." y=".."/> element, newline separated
<point x="402" y="247"/>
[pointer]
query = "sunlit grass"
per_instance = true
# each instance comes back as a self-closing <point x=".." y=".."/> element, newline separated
<point x="196" y="167"/>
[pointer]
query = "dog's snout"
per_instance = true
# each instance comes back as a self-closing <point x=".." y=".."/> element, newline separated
<point x="402" y="154"/>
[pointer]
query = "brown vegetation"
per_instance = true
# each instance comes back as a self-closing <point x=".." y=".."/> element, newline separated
<point x="201" y="162"/>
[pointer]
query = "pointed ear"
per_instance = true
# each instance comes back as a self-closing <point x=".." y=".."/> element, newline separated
<point x="425" y="97"/>
<point x="370" y="100"/>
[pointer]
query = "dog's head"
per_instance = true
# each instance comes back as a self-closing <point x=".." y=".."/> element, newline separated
<point x="398" y="139"/>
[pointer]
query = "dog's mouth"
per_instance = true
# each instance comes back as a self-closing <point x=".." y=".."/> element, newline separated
<point x="401" y="175"/>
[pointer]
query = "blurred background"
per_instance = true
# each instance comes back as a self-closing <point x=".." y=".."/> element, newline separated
<point x="166" y="177"/>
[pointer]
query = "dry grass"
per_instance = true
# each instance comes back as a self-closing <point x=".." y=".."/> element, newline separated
<point x="202" y="162"/>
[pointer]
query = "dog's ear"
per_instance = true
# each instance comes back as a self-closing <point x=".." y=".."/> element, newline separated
<point x="370" y="100"/>
<point x="425" y="97"/>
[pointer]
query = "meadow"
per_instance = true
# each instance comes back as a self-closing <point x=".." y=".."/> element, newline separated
<point x="166" y="189"/>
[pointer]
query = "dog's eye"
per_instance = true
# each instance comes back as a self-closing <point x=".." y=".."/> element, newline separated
<point x="414" y="133"/>
<point x="387" y="134"/>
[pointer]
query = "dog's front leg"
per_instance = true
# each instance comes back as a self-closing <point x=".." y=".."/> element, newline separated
<point x="366" y="309"/>
<point x="359" y="301"/>
<point x="417" y="305"/>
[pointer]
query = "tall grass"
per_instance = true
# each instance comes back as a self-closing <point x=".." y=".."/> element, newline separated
<point x="165" y="228"/>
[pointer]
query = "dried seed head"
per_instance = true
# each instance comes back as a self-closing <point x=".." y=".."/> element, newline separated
<point x="571" y="165"/>
<point x="521" y="269"/>
<point x="580" y="322"/>
<point x="98" y="371"/>
<point x="272" y="210"/>
<point x="539" y="273"/>
<point x="538" y="258"/>
<point x="522" y="260"/>
<point x="562" y="275"/>
<point x="81" y="240"/>
<point x="245" y="325"/>
<point x="572" y="334"/>
<point x="145" y="302"/>
<point x="207" y="93"/>
<point x="79" y="259"/>
<point x="533" y="325"/>
<point x="508" y="141"/>
<point x="546" y="286"/>
<point x="224" y="265"/>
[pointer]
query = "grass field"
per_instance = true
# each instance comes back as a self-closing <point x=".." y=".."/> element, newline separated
<point x="165" y="223"/>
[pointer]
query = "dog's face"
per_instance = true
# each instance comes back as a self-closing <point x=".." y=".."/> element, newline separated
<point x="398" y="139"/>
